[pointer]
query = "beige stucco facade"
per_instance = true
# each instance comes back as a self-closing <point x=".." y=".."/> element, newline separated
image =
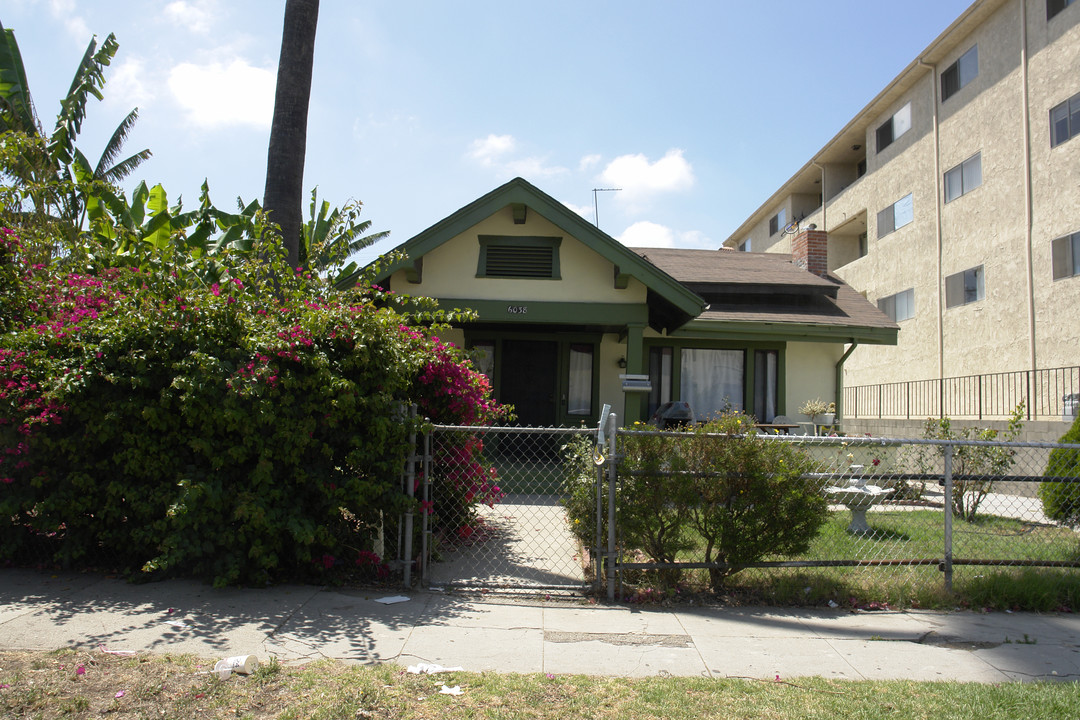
<point x="556" y="340"/>
<point x="1029" y="195"/>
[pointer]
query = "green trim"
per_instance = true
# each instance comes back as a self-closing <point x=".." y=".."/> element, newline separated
<point x="687" y="303"/>
<point x="525" y="312"/>
<point x="519" y="241"/>
<point x="784" y="332"/>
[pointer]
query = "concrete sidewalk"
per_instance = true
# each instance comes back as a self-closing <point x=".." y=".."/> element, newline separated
<point x="297" y="624"/>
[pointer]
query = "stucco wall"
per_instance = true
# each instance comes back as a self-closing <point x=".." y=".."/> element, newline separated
<point x="450" y="269"/>
<point x="810" y="374"/>
<point x="988" y="226"/>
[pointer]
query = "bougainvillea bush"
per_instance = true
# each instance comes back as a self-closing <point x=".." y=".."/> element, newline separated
<point x="242" y="431"/>
<point x="450" y="392"/>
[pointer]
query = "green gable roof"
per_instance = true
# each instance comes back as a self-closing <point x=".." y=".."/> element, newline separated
<point x="671" y="303"/>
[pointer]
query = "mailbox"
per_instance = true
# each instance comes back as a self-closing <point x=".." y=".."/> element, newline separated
<point x="635" y="383"/>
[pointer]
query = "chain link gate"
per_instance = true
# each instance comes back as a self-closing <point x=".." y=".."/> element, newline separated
<point x="493" y="504"/>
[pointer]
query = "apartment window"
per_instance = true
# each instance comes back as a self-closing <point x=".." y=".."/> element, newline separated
<point x="518" y="257"/>
<point x="960" y="73"/>
<point x="896" y="216"/>
<point x="963" y="178"/>
<point x="1065" y="120"/>
<point x="1053" y="7"/>
<point x="894" y="127"/>
<point x="778" y="222"/>
<point x="964" y="287"/>
<point x="1066" y="252"/>
<point x="744" y="246"/>
<point x="900" y="306"/>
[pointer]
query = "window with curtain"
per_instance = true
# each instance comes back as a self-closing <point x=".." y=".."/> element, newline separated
<point x="579" y="387"/>
<point x="765" y="385"/>
<point x="659" y="377"/>
<point x="712" y="380"/>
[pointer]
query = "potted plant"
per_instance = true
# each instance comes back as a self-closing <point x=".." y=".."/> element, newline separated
<point x="829" y="416"/>
<point x="814" y="408"/>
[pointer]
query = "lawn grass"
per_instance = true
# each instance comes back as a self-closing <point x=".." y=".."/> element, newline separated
<point x="915" y="535"/>
<point x="47" y="686"/>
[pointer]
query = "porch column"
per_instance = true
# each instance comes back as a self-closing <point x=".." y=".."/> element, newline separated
<point x="634" y="406"/>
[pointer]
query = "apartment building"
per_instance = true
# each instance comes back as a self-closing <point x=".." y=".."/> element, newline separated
<point x="952" y="200"/>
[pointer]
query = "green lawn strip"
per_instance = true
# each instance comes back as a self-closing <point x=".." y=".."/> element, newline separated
<point x="45" y="685"/>
<point x="915" y="535"/>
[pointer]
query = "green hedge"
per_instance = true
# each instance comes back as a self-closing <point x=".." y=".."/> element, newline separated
<point x="1061" y="501"/>
<point x="243" y="432"/>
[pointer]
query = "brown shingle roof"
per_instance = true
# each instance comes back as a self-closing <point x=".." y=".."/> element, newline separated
<point x="726" y="278"/>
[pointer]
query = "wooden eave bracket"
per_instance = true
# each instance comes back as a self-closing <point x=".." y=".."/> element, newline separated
<point x="622" y="280"/>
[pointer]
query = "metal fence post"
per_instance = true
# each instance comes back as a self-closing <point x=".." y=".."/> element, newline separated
<point x="410" y="491"/>
<point x="598" y="554"/>
<point x="947" y="566"/>
<point x="426" y="522"/>
<point x="612" y="479"/>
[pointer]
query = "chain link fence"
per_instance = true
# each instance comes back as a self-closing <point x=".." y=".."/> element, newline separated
<point x="899" y="516"/>
<point x="493" y="503"/>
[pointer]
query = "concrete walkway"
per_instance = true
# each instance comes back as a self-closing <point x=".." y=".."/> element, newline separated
<point x="298" y="624"/>
<point x="526" y="542"/>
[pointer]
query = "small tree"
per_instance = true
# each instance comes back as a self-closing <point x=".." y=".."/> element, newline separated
<point x="752" y="498"/>
<point x="1061" y="500"/>
<point x="974" y="467"/>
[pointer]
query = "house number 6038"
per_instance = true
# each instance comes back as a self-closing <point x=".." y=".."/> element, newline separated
<point x="517" y="309"/>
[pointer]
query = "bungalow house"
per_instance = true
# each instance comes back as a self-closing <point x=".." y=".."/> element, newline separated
<point x="565" y="313"/>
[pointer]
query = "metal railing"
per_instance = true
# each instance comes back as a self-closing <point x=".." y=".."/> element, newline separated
<point x="1047" y="394"/>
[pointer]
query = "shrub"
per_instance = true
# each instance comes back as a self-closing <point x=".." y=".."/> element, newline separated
<point x="974" y="467"/>
<point x="240" y="431"/>
<point x="752" y="498"/>
<point x="720" y="491"/>
<point x="1061" y="500"/>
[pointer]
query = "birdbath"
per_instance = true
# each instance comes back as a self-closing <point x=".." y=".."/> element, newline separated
<point x="858" y="497"/>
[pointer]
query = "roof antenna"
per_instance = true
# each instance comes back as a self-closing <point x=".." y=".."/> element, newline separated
<point x="596" y="212"/>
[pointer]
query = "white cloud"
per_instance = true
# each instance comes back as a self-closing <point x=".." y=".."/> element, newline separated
<point x="585" y="211"/>
<point x="589" y="162"/>
<point x="497" y="151"/>
<point x="650" y="234"/>
<point x="491" y="149"/>
<point x="641" y="179"/>
<point x="647" y="234"/>
<point x="196" y="16"/>
<point x="126" y="88"/>
<point x="75" y="25"/>
<point x="219" y="94"/>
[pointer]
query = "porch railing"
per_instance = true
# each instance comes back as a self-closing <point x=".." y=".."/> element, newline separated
<point x="1047" y="394"/>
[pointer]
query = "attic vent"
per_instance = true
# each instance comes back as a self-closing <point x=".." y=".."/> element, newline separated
<point x="518" y="257"/>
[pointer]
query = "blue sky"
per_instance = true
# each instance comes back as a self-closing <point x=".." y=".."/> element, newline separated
<point x="697" y="109"/>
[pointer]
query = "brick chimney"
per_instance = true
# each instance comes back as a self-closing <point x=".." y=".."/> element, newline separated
<point x="810" y="251"/>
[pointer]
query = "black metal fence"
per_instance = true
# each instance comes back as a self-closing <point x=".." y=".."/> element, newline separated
<point x="1047" y="394"/>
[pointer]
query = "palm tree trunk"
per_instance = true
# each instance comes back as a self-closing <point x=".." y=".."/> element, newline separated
<point x="282" y="197"/>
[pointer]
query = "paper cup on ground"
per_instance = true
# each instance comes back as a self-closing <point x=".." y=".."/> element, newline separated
<point x="243" y="664"/>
